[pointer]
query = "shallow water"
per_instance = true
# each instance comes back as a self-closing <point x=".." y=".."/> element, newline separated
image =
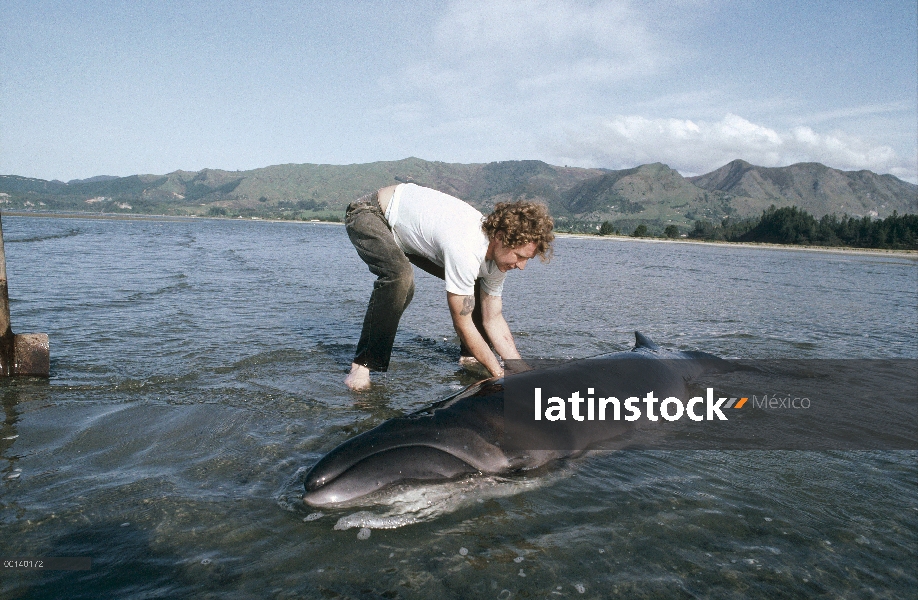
<point x="196" y="373"/>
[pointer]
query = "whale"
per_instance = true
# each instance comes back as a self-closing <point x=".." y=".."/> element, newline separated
<point x="468" y="433"/>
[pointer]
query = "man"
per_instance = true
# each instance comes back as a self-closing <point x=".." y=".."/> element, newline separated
<point x="406" y="223"/>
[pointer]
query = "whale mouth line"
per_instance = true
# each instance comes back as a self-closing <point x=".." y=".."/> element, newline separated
<point x="318" y="484"/>
<point x="410" y="462"/>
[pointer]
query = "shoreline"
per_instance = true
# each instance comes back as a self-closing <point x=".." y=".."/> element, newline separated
<point x="761" y="245"/>
<point x="913" y="254"/>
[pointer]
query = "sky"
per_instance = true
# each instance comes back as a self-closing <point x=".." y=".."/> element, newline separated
<point x="121" y="88"/>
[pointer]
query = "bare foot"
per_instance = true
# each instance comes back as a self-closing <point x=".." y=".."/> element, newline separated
<point x="358" y="379"/>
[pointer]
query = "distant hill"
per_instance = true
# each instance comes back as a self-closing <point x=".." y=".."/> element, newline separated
<point x="92" y="179"/>
<point x="652" y="194"/>
<point x="814" y="187"/>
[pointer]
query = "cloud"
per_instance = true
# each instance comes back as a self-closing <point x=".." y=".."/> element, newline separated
<point x="512" y="54"/>
<point x="545" y="42"/>
<point x="695" y="147"/>
<point x="860" y="111"/>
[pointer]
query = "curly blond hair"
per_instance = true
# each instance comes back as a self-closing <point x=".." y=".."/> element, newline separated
<point x="519" y="223"/>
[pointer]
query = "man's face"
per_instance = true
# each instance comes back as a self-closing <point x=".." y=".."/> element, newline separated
<point x="508" y="259"/>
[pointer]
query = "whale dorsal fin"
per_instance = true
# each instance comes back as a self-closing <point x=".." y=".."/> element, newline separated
<point x="642" y="341"/>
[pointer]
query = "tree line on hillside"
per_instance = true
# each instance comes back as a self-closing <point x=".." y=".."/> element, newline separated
<point x="670" y="231"/>
<point x="791" y="225"/>
<point x="302" y="210"/>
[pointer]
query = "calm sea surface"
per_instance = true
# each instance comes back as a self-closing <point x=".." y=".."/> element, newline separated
<point x="196" y="372"/>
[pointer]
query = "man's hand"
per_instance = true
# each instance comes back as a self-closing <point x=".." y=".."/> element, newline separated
<point x="515" y="365"/>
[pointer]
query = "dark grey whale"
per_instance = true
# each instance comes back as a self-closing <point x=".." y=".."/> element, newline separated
<point x="465" y="433"/>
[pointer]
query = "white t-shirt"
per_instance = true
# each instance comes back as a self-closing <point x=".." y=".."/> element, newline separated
<point x="447" y="231"/>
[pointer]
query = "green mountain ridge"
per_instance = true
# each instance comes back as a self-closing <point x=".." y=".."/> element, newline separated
<point x="652" y="194"/>
<point x="817" y="188"/>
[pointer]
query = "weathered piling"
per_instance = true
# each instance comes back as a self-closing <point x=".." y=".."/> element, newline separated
<point x="23" y="353"/>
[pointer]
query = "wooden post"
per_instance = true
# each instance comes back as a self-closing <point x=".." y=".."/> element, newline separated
<point x="20" y="354"/>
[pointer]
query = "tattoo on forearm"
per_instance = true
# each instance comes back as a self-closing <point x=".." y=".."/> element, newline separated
<point x="468" y="305"/>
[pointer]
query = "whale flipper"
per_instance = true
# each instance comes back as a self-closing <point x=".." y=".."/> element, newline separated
<point x="642" y="341"/>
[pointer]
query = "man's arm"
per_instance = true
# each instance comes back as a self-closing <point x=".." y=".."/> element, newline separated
<point x="496" y="327"/>
<point x="499" y="332"/>
<point x="460" y="309"/>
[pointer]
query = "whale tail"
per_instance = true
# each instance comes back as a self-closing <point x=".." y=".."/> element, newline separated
<point x="642" y="341"/>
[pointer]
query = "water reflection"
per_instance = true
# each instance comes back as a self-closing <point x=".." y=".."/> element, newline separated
<point x="9" y="433"/>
